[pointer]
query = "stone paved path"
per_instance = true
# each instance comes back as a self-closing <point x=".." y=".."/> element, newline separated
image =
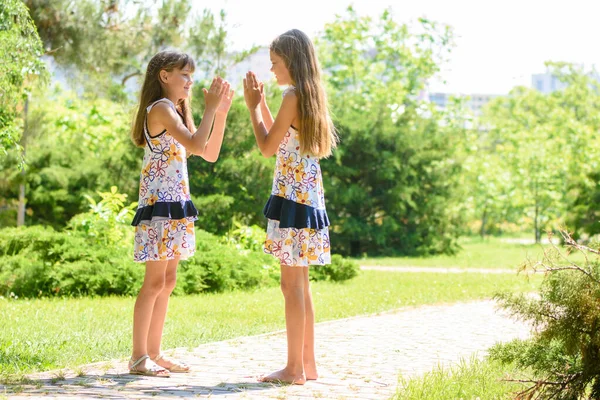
<point x="359" y="358"/>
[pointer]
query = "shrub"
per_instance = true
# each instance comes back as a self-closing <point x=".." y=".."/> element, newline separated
<point x="215" y="212"/>
<point x="252" y="238"/>
<point x="217" y="267"/>
<point x="107" y="221"/>
<point x="246" y="237"/>
<point x="37" y="261"/>
<point x="340" y="269"/>
<point x="564" y="352"/>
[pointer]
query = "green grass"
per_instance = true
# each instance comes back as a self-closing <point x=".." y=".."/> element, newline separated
<point x="55" y="333"/>
<point x="477" y="379"/>
<point x="476" y="253"/>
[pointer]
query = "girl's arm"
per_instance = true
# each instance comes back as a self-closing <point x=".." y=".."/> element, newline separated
<point x="164" y="116"/>
<point x="213" y="147"/>
<point x="268" y="140"/>
<point x="264" y="108"/>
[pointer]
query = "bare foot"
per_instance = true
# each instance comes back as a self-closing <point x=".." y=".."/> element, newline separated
<point x="284" y="376"/>
<point x="311" y="372"/>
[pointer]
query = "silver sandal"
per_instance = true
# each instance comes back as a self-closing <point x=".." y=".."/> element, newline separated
<point x="177" y="367"/>
<point x="153" y="370"/>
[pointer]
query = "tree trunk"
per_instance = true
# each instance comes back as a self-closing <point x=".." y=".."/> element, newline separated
<point x="355" y="248"/>
<point x="536" y="224"/>
<point x="21" y="206"/>
<point x="483" y="222"/>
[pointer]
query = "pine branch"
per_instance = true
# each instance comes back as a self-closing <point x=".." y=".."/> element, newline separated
<point x="569" y="241"/>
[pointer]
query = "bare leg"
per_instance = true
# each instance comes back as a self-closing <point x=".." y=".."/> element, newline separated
<point x="292" y="286"/>
<point x="310" y="365"/>
<point x="159" y="313"/>
<point x="154" y="283"/>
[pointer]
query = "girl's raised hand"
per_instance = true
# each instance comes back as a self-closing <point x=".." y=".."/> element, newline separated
<point x="215" y="94"/>
<point x="227" y="99"/>
<point x="252" y="90"/>
<point x="261" y="87"/>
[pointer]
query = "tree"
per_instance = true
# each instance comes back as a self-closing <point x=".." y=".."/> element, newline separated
<point x="538" y="140"/>
<point x="111" y="41"/>
<point x="20" y="51"/>
<point x="78" y="147"/>
<point x="101" y="45"/>
<point x="391" y="184"/>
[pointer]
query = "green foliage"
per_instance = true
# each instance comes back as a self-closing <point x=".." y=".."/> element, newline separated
<point x="534" y="154"/>
<point x="390" y="185"/>
<point x="564" y="352"/>
<point x="75" y="148"/>
<point x="108" y="221"/>
<point x="20" y="51"/>
<point x="246" y="237"/>
<point x="40" y="262"/>
<point x="473" y="380"/>
<point x="215" y="212"/>
<point x="584" y="216"/>
<point x="93" y="257"/>
<point x="340" y="269"/>
<point x="219" y="267"/>
<point x="104" y="41"/>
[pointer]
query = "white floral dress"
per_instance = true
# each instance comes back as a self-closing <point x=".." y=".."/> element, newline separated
<point x="164" y="221"/>
<point x="297" y="230"/>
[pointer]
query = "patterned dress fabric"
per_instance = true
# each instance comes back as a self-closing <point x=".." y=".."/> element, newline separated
<point x="297" y="229"/>
<point x="164" y="221"/>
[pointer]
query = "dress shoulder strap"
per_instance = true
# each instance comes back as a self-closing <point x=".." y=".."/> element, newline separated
<point x="147" y="135"/>
<point x="165" y="100"/>
<point x="289" y="89"/>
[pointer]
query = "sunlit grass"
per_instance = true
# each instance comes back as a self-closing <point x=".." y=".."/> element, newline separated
<point x="491" y="253"/>
<point x="473" y="380"/>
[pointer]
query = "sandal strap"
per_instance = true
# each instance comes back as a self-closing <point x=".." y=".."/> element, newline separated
<point x="174" y="362"/>
<point x="176" y="365"/>
<point x="138" y="361"/>
<point x="157" y="368"/>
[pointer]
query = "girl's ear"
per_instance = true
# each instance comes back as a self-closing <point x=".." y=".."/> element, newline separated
<point x="163" y="76"/>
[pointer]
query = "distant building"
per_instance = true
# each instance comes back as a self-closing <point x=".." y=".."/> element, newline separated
<point x="546" y="82"/>
<point x="475" y="102"/>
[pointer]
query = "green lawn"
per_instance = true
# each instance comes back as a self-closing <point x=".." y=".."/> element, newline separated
<point x="474" y="380"/>
<point x="54" y="333"/>
<point x="476" y="253"/>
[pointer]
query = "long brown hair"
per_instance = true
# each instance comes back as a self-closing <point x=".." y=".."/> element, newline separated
<point x="317" y="134"/>
<point x="152" y="90"/>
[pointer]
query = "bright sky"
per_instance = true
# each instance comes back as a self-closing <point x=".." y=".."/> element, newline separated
<point x="499" y="44"/>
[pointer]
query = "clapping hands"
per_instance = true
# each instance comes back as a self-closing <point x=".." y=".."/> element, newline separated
<point x="253" y="90"/>
<point x="219" y="96"/>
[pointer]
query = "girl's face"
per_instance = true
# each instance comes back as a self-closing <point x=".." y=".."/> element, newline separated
<point x="278" y="68"/>
<point x="178" y="83"/>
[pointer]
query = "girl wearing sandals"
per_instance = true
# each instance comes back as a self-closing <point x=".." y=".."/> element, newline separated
<point x="297" y="231"/>
<point x="164" y="221"/>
